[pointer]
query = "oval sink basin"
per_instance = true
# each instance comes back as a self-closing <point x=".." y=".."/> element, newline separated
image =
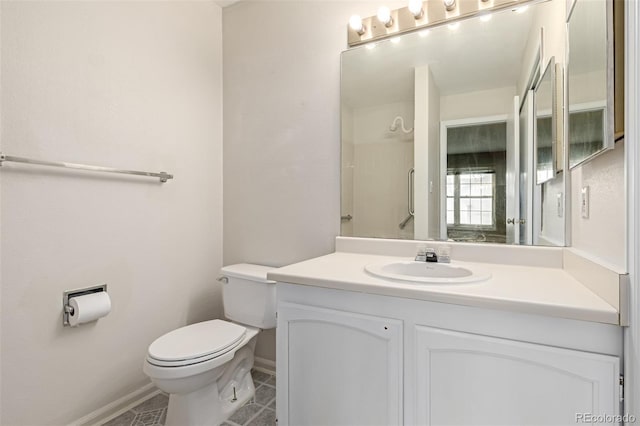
<point x="427" y="272"/>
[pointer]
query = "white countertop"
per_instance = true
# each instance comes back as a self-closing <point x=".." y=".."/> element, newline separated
<point x="527" y="289"/>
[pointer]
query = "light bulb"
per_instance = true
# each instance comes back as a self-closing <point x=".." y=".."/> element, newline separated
<point x="485" y="18"/>
<point x="449" y="4"/>
<point x="384" y="16"/>
<point x="355" y="22"/>
<point x="415" y="7"/>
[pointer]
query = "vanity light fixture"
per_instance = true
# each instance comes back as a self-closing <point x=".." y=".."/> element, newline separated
<point x="355" y="23"/>
<point x="415" y="7"/>
<point x="384" y="16"/>
<point x="449" y="5"/>
<point x="418" y="16"/>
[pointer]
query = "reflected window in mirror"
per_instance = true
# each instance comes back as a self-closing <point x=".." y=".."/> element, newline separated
<point x="476" y="181"/>
<point x="470" y="199"/>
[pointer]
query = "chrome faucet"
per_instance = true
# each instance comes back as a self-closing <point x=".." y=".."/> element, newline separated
<point x="426" y="254"/>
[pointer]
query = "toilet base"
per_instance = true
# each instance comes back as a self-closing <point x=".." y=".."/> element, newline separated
<point x="214" y="403"/>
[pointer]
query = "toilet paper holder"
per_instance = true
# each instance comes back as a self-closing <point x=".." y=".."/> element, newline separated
<point x="70" y="294"/>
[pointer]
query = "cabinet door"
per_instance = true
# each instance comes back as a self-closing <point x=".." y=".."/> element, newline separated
<point x="468" y="379"/>
<point x="337" y="368"/>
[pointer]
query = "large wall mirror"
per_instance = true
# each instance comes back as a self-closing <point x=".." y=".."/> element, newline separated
<point x="439" y="131"/>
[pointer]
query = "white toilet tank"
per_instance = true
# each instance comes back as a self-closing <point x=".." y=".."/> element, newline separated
<point x="248" y="296"/>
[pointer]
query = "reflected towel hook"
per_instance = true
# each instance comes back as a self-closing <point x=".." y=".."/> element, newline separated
<point x="394" y="125"/>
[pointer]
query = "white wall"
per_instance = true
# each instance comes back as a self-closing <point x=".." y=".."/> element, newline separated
<point x="551" y="16"/>
<point x="282" y="130"/>
<point x="427" y="151"/>
<point x="602" y="236"/>
<point x="346" y="161"/>
<point x="434" y="158"/>
<point x="134" y="85"/>
<point x="553" y="222"/>
<point x="482" y="103"/>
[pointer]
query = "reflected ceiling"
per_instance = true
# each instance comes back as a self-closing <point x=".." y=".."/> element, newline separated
<point x="393" y="77"/>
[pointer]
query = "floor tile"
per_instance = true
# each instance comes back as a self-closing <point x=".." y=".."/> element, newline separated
<point x="259" y="376"/>
<point x="245" y="413"/>
<point x="265" y="418"/>
<point x="123" y="419"/>
<point x="264" y="394"/>
<point x="158" y="401"/>
<point x="153" y="412"/>
<point x="148" y="418"/>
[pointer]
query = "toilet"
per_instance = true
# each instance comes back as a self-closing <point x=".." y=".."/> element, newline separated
<point x="206" y="367"/>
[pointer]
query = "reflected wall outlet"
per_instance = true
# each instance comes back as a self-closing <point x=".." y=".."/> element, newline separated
<point x="584" y="202"/>
<point x="559" y="204"/>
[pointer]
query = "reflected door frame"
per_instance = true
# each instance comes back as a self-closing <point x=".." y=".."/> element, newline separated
<point x="444" y="125"/>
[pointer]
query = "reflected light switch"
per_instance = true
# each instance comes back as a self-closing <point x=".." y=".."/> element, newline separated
<point x="584" y="202"/>
<point x="559" y="204"/>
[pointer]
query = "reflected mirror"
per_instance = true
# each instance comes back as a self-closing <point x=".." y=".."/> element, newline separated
<point x="590" y="98"/>
<point x="438" y="132"/>
<point x="545" y="127"/>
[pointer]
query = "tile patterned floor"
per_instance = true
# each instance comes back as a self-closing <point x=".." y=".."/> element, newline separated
<point x="259" y="412"/>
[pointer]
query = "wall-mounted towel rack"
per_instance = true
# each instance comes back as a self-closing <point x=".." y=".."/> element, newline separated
<point x="163" y="176"/>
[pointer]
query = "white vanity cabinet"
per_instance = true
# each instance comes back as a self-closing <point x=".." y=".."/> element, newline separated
<point x="468" y="379"/>
<point x="343" y="368"/>
<point x="350" y="358"/>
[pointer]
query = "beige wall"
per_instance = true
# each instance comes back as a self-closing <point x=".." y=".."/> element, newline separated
<point x="381" y="163"/>
<point x="135" y="85"/>
<point x="282" y="130"/>
<point x="602" y="236"/>
<point x="482" y="103"/>
<point x="346" y="181"/>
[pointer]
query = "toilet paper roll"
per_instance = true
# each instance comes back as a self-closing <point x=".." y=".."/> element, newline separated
<point x="89" y="308"/>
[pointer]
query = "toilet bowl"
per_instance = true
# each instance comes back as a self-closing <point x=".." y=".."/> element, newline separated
<point x="206" y="367"/>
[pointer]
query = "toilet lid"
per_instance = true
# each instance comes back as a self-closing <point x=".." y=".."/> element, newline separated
<point x="196" y="342"/>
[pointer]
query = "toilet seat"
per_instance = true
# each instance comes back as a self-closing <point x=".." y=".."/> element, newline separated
<point x="195" y="343"/>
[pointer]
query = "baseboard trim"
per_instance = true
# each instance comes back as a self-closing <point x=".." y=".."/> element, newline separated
<point x="265" y="365"/>
<point x="117" y="407"/>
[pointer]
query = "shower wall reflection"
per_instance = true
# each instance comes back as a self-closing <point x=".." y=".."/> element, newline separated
<point x="377" y="155"/>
